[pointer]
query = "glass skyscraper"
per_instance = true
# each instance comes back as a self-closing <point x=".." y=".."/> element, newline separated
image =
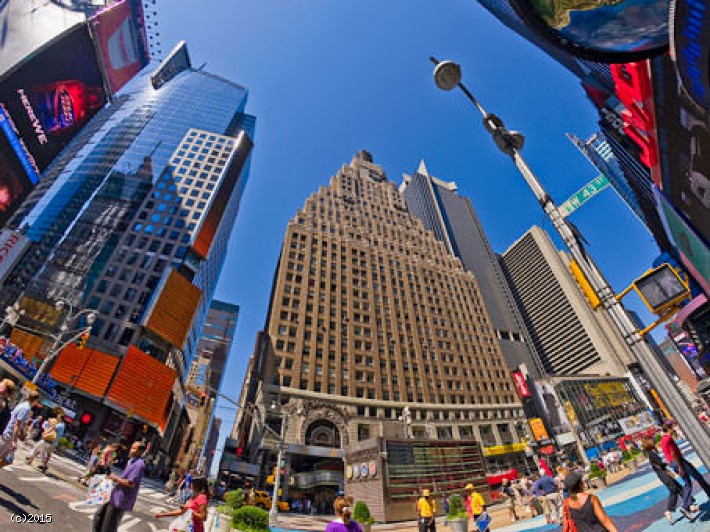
<point x="133" y="218"/>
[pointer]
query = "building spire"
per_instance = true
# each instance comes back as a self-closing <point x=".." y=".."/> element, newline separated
<point x="422" y="169"/>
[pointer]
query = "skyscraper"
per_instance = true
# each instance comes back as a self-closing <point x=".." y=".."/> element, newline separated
<point x="452" y="218"/>
<point x="370" y="313"/>
<point x="133" y="221"/>
<point x="569" y="336"/>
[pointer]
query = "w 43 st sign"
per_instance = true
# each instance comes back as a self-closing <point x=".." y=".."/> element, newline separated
<point x="584" y="194"/>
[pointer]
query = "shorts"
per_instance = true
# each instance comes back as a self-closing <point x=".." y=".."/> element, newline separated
<point x="5" y="447"/>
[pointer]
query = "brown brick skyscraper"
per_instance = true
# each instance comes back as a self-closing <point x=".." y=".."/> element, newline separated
<point x="369" y="314"/>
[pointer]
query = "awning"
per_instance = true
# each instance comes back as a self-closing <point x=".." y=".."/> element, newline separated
<point x="494" y="480"/>
<point x="688" y="309"/>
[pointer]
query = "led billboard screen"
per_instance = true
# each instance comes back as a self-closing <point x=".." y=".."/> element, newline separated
<point x="171" y="315"/>
<point x="27" y="26"/>
<point x="15" y="183"/>
<point x="613" y="31"/>
<point x="178" y="60"/>
<point x="119" y="32"/>
<point x="683" y="130"/>
<point x="53" y="94"/>
<point x="85" y="370"/>
<point x="690" y="39"/>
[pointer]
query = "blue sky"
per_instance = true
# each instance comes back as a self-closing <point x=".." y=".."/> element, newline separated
<point x="327" y="78"/>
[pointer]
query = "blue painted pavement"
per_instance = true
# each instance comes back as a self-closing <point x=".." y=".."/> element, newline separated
<point x="638" y="503"/>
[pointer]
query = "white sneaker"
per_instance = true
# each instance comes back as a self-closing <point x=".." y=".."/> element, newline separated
<point x="669" y="516"/>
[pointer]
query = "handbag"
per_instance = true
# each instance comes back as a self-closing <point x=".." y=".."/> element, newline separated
<point x="99" y="492"/>
<point x="569" y="525"/>
<point x="183" y="523"/>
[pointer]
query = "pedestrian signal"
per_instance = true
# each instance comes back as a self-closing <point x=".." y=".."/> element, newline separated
<point x="86" y="419"/>
<point x="81" y="342"/>
<point x="661" y="288"/>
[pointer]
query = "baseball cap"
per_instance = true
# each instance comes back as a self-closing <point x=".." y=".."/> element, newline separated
<point x="469" y="487"/>
<point x="572" y="479"/>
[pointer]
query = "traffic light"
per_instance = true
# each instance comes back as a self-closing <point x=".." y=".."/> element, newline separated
<point x="240" y="452"/>
<point x="81" y="342"/>
<point x="203" y="398"/>
<point x="584" y="285"/>
<point x="86" y="419"/>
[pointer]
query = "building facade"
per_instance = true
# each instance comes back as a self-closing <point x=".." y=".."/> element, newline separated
<point x="453" y="220"/>
<point x="569" y="336"/>
<point x="370" y="314"/>
<point x="133" y="221"/>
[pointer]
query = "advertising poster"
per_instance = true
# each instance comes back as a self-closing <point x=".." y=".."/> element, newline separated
<point x="538" y="429"/>
<point x="27" y="26"/>
<point x="554" y="411"/>
<point x="684" y="140"/>
<point x="120" y="36"/>
<point x="54" y="94"/>
<point x="14" y="181"/>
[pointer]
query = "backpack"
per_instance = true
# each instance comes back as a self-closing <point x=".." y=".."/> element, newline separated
<point x="569" y="525"/>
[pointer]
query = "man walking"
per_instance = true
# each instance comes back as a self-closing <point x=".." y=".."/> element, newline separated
<point x="60" y="429"/>
<point x="125" y="492"/>
<point x="675" y="458"/>
<point x="18" y="417"/>
<point x="546" y="490"/>
<point x="426" y="509"/>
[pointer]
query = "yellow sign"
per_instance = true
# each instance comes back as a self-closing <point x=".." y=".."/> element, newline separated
<point x="538" y="429"/>
<point x="571" y="414"/>
<point x="504" y="449"/>
<point x="608" y="394"/>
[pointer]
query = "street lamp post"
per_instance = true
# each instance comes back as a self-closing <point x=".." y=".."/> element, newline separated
<point x="447" y="76"/>
<point x="59" y="342"/>
<point x="274" y="511"/>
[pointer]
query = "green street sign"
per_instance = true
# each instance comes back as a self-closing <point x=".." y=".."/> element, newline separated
<point x="591" y="189"/>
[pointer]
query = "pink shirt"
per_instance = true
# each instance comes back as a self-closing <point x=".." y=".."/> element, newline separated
<point x="670" y="448"/>
<point x="194" y="505"/>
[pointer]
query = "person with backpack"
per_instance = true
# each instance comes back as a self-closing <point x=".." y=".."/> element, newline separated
<point x="582" y="511"/>
<point x="510" y="495"/>
<point x="45" y="444"/>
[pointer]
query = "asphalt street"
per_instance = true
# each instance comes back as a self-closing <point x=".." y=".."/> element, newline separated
<point x="25" y="491"/>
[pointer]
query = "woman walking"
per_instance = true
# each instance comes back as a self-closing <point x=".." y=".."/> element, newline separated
<point x="197" y="503"/>
<point x="583" y="509"/>
<point x="666" y="475"/>
<point x="343" y="522"/>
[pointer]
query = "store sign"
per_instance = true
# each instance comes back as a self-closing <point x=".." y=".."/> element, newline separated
<point x="497" y="450"/>
<point x="521" y="384"/>
<point x="638" y="423"/>
<point x="12" y="356"/>
<point x="632" y="82"/>
<point x="538" y="428"/>
<point x="690" y="40"/>
<point x="12" y="246"/>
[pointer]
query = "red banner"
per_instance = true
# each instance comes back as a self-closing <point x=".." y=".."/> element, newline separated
<point x="521" y="384"/>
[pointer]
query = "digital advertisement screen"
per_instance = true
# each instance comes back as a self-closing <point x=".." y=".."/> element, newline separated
<point x="613" y="31"/>
<point x="14" y="181"/>
<point x="121" y="39"/>
<point x="683" y="130"/>
<point x="54" y="94"/>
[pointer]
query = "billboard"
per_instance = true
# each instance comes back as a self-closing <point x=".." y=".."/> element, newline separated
<point x="690" y="41"/>
<point x="538" y="429"/>
<point x="520" y="384"/>
<point x="177" y="61"/>
<point x="27" y="26"/>
<point x="119" y="32"/>
<point x="142" y="386"/>
<point x="684" y="140"/>
<point x="12" y="246"/>
<point x="53" y="94"/>
<point x="15" y="182"/>
<point x="87" y="370"/>
<point x="171" y="315"/>
<point x="611" y="31"/>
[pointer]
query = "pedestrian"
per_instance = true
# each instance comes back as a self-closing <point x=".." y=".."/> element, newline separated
<point x="447" y="505"/>
<point x="46" y="441"/>
<point x="546" y="491"/>
<point x="426" y="510"/>
<point x="59" y="430"/>
<point x="584" y="510"/>
<point x="7" y="389"/>
<point x="343" y="521"/>
<point x="510" y="495"/>
<point x="197" y="503"/>
<point x="14" y="428"/>
<point x="475" y="503"/>
<point x="171" y="483"/>
<point x="36" y="427"/>
<point x="91" y="465"/>
<point x="125" y="492"/>
<point x="674" y="457"/>
<point x="107" y="458"/>
<point x="669" y="478"/>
